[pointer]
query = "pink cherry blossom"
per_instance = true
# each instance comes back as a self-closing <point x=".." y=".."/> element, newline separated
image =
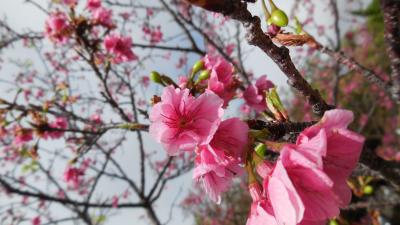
<point x="221" y="80"/>
<point x="96" y="118"/>
<point x="56" y="27"/>
<point x="115" y="201"/>
<point x="215" y="169"/>
<point x="254" y="95"/>
<point x="73" y="176"/>
<point x="36" y="220"/>
<point x="22" y="135"/>
<point x="286" y="202"/>
<point x="261" y="211"/>
<point x="231" y="137"/>
<point x="59" y="123"/>
<point x="343" y="148"/>
<point x="103" y="17"/>
<point x="120" y="47"/>
<point x="93" y="4"/>
<point x="299" y="189"/>
<point x="181" y="121"/>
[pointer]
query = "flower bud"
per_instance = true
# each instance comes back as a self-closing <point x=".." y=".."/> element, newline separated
<point x="368" y="189"/>
<point x="261" y="150"/>
<point x="333" y="222"/>
<point x="155" y="77"/>
<point x="199" y="65"/>
<point x="279" y="18"/>
<point x="204" y="75"/>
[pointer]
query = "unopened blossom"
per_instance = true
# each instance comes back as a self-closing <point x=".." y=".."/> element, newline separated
<point x="93" y="4"/>
<point x="343" y="148"/>
<point x="215" y="170"/>
<point x="221" y="80"/>
<point x="181" y="121"/>
<point x="261" y="212"/>
<point x="57" y="27"/>
<point x="254" y="95"/>
<point x="103" y="17"/>
<point x="120" y="47"/>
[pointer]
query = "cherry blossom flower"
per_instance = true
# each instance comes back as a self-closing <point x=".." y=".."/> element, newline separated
<point x="93" y="4"/>
<point x="22" y="135"/>
<point x="261" y="211"/>
<point x="36" y="220"/>
<point x="254" y="95"/>
<point x="57" y="27"/>
<point x="343" y="148"/>
<point x="215" y="169"/>
<point x="103" y="17"/>
<point x="73" y="176"/>
<point x="59" y="123"/>
<point x="231" y="137"/>
<point x="221" y="80"/>
<point x="181" y="121"/>
<point x="120" y="47"/>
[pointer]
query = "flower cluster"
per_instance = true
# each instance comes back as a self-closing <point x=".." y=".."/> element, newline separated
<point x="307" y="184"/>
<point x="86" y="29"/>
<point x="183" y="122"/>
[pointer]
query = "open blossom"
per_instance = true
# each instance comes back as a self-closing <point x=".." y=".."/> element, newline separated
<point x="299" y="190"/>
<point x="73" y="176"/>
<point x="215" y="170"/>
<point x="103" y="17"/>
<point x="343" y="148"/>
<point x="93" y="4"/>
<point x="36" y="220"/>
<point x="261" y="212"/>
<point x="218" y="163"/>
<point x="231" y="137"/>
<point x="120" y="47"/>
<point x="221" y="80"/>
<point x="154" y="35"/>
<point x="57" y="27"/>
<point x="254" y="95"/>
<point x="181" y="121"/>
<point x="59" y="123"/>
<point x="22" y="135"/>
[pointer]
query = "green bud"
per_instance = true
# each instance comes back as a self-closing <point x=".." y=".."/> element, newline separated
<point x="368" y="189"/>
<point x="333" y="222"/>
<point x="298" y="26"/>
<point x="204" y="75"/>
<point x="261" y="150"/>
<point x="279" y="18"/>
<point x="199" y="65"/>
<point x="155" y="77"/>
<point x="275" y="105"/>
<point x="265" y="10"/>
